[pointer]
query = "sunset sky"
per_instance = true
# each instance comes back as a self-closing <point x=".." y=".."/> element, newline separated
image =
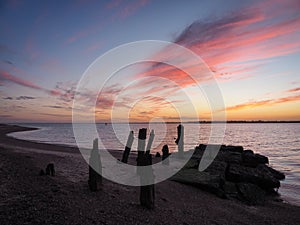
<point x="251" y="47"/>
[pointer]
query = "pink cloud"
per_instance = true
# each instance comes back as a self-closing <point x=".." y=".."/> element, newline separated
<point x="294" y="90"/>
<point x="131" y="8"/>
<point x="254" y="104"/>
<point x="31" y="49"/>
<point x="6" y="76"/>
<point x="113" y="4"/>
<point x="125" y="10"/>
<point x="94" y="47"/>
<point x="238" y="39"/>
<point x="85" y="32"/>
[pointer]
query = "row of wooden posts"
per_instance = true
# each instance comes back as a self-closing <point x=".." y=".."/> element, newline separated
<point x="144" y="158"/>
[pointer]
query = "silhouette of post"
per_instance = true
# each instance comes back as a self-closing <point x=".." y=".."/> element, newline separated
<point x="150" y="141"/>
<point x="145" y="170"/>
<point x="127" y="147"/>
<point x="165" y="152"/>
<point x="95" y="168"/>
<point x="141" y="147"/>
<point x="147" y="193"/>
<point x="50" y="169"/>
<point x="180" y="140"/>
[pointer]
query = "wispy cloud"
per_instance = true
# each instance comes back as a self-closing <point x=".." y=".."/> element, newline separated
<point x="270" y="102"/>
<point x="8" y="62"/>
<point x="246" y="35"/>
<point x="294" y="90"/>
<point x="94" y="46"/>
<point x="54" y="106"/>
<point x="113" y="4"/>
<point x="65" y="91"/>
<point x="118" y="9"/>
<point x="235" y="45"/>
<point x="7" y="77"/>
<point x="23" y="97"/>
<point x="8" y="98"/>
<point x="131" y="8"/>
<point x="85" y="31"/>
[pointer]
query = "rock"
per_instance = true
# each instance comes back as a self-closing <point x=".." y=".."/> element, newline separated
<point x="271" y="172"/>
<point x="203" y="180"/>
<point x="217" y="168"/>
<point x="240" y="173"/>
<point x="253" y="160"/>
<point x="230" y="148"/>
<point x="248" y="151"/>
<point x="230" y="190"/>
<point x="198" y="151"/>
<point x="262" y="159"/>
<point x="235" y="174"/>
<point x="251" y="194"/>
<point x="157" y="154"/>
<point x="201" y="147"/>
<point x="230" y="157"/>
<point x="192" y="164"/>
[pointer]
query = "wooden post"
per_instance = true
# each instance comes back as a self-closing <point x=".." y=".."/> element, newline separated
<point x="150" y="141"/>
<point x="127" y="147"/>
<point x="180" y="140"/>
<point x="165" y="152"/>
<point x="147" y="193"/>
<point x="95" y="168"/>
<point x="50" y="169"/>
<point x="141" y="147"/>
<point x="144" y="169"/>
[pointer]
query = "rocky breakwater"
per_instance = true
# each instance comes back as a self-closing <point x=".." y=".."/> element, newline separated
<point x="235" y="173"/>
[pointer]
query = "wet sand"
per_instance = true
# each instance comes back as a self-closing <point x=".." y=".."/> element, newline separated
<point x="27" y="198"/>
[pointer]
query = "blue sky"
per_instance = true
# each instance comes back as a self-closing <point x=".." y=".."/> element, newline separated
<point x="251" y="47"/>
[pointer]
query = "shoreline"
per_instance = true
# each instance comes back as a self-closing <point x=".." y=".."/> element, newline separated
<point x="45" y="145"/>
<point x="27" y="198"/>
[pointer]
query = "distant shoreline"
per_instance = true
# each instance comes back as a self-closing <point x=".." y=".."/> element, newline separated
<point x="177" y="122"/>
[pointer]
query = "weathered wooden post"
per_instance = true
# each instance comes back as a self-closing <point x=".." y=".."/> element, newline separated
<point x="150" y="141"/>
<point x="50" y="169"/>
<point x="147" y="193"/>
<point x="141" y="147"/>
<point x="127" y="147"/>
<point x="165" y="152"/>
<point x="95" y="168"/>
<point x="179" y="141"/>
<point x="146" y="173"/>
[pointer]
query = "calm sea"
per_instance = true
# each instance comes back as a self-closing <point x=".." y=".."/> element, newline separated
<point x="279" y="141"/>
